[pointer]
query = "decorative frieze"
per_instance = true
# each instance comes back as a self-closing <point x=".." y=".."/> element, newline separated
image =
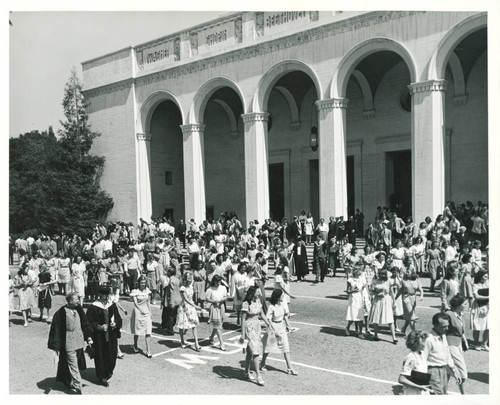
<point x="254" y="117"/>
<point x="393" y="139"/>
<point x="300" y="38"/>
<point x="144" y="137"/>
<point x="427" y="86"/>
<point x="238" y="30"/>
<point x="190" y="128"/>
<point x="331" y="103"/>
<point x="354" y="144"/>
<point x="193" y="41"/>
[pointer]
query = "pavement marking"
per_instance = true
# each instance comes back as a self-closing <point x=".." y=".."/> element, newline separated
<point x="337" y="372"/>
<point x="191" y="359"/>
<point x="165" y="352"/>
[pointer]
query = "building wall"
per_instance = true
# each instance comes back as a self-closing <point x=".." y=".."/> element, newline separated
<point x="112" y="114"/>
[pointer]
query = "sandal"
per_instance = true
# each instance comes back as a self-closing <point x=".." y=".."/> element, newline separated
<point x="291" y="371"/>
<point x="120" y="356"/>
<point x="149" y="355"/>
<point x="184" y="346"/>
<point x="262" y="368"/>
<point x="223" y="348"/>
<point x="395" y="342"/>
<point x="260" y="381"/>
<point x="197" y="348"/>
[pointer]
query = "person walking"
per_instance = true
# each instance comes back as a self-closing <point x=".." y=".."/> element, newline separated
<point x="187" y="318"/>
<point x="251" y="333"/>
<point x="106" y="322"/>
<point x="414" y="362"/>
<point x="455" y="336"/>
<point x="277" y="315"/>
<point x="320" y="255"/>
<point x="216" y="296"/>
<point x="436" y="353"/>
<point x="68" y="333"/>
<point x="172" y="299"/>
<point x="140" y="320"/>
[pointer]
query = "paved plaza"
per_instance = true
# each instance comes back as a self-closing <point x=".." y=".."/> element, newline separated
<point x="328" y="361"/>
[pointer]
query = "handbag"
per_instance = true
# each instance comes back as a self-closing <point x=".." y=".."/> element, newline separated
<point x="419" y="378"/>
<point x="465" y="344"/>
<point x="90" y="351"/>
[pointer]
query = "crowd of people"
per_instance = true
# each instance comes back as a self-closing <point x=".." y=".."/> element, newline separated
<point x="192" y="270"/>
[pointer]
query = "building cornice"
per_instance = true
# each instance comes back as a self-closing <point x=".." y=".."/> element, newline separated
<point x="273" y="45"/>
<point x="256" y="116"/>
<point x="428" y="86"/>
<point x="190" y="128"/>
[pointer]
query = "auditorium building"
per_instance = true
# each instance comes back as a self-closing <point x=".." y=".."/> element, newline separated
<point x="267" y="114"/>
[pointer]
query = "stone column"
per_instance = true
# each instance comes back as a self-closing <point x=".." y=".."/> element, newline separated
<point x="194" y="172"/>
<point x="144" y="172"/>
<point x="427" y="140"/>
<point x="256" y="166"/>
<point x="332" y="157"/>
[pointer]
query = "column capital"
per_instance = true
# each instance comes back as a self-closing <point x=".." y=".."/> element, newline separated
<point x="256" y="116"/>
<point x="332" y="103"/>
<point x="190" y="128"/>
<point x="144" y="137"/>
<point x="427" y="86"/>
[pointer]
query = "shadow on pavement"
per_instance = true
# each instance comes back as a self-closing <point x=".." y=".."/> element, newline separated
<point x="229" y="372"/>
<point x="50" y="384"/>
<point x="338" y="297"/>
<point x="481" y="377"/>
<point x="89" y="375"/>
<point x="397" y="389"/>
<point x="334" y="330"/>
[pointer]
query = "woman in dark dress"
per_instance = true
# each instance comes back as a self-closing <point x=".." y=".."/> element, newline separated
<point x="300" y="260"/>
<point x="106" y="322"/>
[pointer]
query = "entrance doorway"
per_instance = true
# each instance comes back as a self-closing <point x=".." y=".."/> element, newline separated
<point x="276" y="191"/>
<point x="398" y="182"/>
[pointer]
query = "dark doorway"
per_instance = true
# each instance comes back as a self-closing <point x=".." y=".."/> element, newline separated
<point x="169" y="214"/>
<point x="277" y="191"/>
<point x="398" y="181"/>
<point x="350" y="185"/>
<point x="314" y="189"/>
<point x="210" y="212"/>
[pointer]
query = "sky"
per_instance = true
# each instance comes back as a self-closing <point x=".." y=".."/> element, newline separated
<point x="45" y="46"/>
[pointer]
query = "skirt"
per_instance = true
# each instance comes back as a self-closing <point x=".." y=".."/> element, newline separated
<point x="252" y="333"/>
<point x="216" y="316"/>
<point x="187" y="318"/>
<point x="457" y="354"/>
<point x="45" y="299"/>
<point x="63" y="275"/>
<point x="381" y="312"/>
<point x="409" y="307"/>
<point x="276" y="343"/>
<point x="26" y="298"/>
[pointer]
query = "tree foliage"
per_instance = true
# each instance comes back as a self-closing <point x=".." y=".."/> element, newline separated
<point x="54" y="181"/>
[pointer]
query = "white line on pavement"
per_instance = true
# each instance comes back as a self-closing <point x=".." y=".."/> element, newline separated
<point x="165" y="352"/>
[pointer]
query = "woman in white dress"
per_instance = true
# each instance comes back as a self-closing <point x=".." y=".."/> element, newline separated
<point x="355" y="304"/>
<point x="187" y="318"/>
<point x="63" y="273"/>
<point x="239" y="286"/>
<point x="309" y="227"/>
<point x="216" y="295"/>
<point x="77" y="278"/>
<point x="140" y="320"/>
<point x="382" y="311"/>
<point x="480" y="310"/>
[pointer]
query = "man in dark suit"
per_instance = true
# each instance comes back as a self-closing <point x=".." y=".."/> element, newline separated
<point x="320" y="255"/>
<point x="332" y="228"/>
<point x="386" y="236"/>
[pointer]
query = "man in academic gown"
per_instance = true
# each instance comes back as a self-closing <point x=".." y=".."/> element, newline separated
<point x="106" y="323"/>
<point x="68" y="331"/>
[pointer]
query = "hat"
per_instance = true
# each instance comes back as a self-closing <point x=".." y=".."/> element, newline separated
<point x="104" y="290"/>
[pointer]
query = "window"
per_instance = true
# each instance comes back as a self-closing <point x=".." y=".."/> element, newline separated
<point x="168" y="178"/>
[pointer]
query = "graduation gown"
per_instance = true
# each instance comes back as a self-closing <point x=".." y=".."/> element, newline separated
<point x="57" y="341"/>
<point x="105" y="343"/>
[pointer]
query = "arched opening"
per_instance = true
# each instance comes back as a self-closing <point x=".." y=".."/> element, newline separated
<point x="167" y="168"/>
<point x="224" y="153"/>
<point x="293" y="165"/>
<point x="466" y="117"/>
<point x="378" y="152"/>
